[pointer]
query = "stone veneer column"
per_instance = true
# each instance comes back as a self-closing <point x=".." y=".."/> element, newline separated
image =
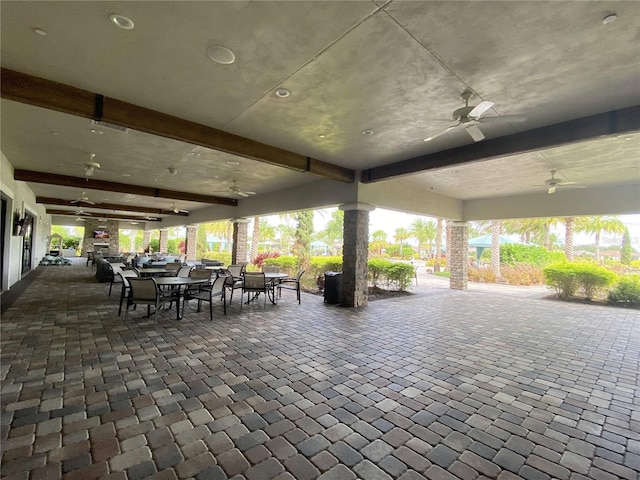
<point x="240" y="235"/>
<point x="146" y="239"/>
<point x="192" y="232"/>
<point x="459" y="264"/>
<point x="355" y="254"/>
<point x="164" y="239"/>
<point x="132" y="241"/>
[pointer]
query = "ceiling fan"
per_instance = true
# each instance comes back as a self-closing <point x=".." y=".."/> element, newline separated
<point x="236" y="190"/>
<point x="83" y="199"/>
<point x="80" y="219"/>
<point x="91" y="166"/>
<point x="80" y="211"/>
<point x="174" y="209"/>
<point x="553" y="182"/>
<point x="469" y="116"/>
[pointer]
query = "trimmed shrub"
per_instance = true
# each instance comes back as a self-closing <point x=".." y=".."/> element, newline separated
<point x="570" y="278"/>
<point x="626" y="291"/>
<point x="399" y="275"/>
<point x="287" y="263"/>
<point x="515" y="253"/>
<point x="562" y="278"/>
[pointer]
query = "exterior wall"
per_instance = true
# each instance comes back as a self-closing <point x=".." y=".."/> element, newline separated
<point x="459" y="265"/>
<point x="355" y="287"/>
<point x="19" y="199"/>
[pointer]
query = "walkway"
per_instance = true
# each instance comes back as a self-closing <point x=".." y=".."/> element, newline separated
<point x="440" y="385"/>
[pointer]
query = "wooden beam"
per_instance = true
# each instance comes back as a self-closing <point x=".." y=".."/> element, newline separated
<point x="24" y="88"/>
<point x="615" y="122"/>
<point x="91" y="184"/>
<point x="107" y="206"/>
<point x="69" y="213"/>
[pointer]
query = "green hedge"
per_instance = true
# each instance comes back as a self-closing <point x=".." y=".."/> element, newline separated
<point x="626" y="291"/>
<point x="585" y="279"/>
<point x="382" y="273"/>
<point x="514" y="253"/>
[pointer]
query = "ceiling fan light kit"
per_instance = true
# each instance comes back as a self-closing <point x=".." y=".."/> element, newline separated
<point x="468" y="117"/>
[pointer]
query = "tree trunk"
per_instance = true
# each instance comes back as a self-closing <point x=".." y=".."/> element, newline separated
<point x="436" y="264"/>
<point x="598" y="247"/>
<point x="496" y="227"/>
<point x="229" y="234"/>
<point x="569" y="224"/>
<point x="255" y="238"/>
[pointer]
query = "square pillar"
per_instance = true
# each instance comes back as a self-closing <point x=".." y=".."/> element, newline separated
<point x="355" y="254"/>
<point x="146" y="239"/>
<point x="132" y="241"/>
<point x="192" y="232"/>
<point x="164" y="239"/>
<point x="239" y="251"/>
<point x="459" y="264"/>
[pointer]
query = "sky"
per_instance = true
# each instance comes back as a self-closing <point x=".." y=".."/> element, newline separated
<point x="389" y="221"/>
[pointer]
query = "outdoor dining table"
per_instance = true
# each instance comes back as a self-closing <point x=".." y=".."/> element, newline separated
<point x="153" y="272"/>
<point x="272" y="279"/>
<point x="179" y="282"/>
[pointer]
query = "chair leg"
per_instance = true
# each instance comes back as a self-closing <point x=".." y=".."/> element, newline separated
<point x="224" y="301"/>
<point x="298" y="291"/>
<point x="211" y="310"/>
<point x="110" y="287"/>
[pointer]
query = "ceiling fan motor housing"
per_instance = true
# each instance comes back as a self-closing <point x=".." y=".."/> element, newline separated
<point x="462" y="114"/>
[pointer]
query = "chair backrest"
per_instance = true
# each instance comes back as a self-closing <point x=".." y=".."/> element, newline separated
<point x="271" y="269"/>
<point x="254" y="281"/>
<point x="200" y="274"/>
<point x="219" y="283"/>
<point x="236" y="270"/>
<point x="184" y="271"/>
<point x="142" y="289"/>
<point x="125" y="274"/>
<point x="175" y="266"/>
<point x="299" y="276"/>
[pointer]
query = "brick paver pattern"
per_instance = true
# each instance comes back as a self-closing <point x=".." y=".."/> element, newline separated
<point x="443" y="384"/>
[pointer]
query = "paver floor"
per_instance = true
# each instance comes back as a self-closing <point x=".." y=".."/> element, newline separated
<point x="440" y="385"/>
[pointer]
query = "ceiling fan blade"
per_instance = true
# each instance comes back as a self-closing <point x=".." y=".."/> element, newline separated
<point x="447" y="130"/>
<point x="250" y="193"/>
<point x="475" y="133"/>
<point x="480" y="109"/>
<point x="243" y="194"/>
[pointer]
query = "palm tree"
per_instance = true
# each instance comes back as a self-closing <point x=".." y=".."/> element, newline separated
<point x="302" y="247"/>
<point x="255" y="238"/>
<point x="423" y="231"/>
<point x="333" y="232"/>
<point x="496" y="229"/>
<point x="218" y="229"/>
<point x="436" y="265"/>
<point x="569" y="225"/>
<point x="378" y="241"/>
<point x="401" y="235"/>
<point x="598" y="224"/>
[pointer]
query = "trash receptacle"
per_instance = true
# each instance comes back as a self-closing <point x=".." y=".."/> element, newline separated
<point x="333" y="287"/>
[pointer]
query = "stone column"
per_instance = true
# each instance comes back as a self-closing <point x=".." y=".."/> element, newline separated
<point x="146" y="239"/>
<point x="192" y="232"/>
<point x="164" y="239"/>
<point x="239" y="251"/>
<point x="459" y="264"/>
<point x="355" y="254"/>
<point x="132" y="241"/>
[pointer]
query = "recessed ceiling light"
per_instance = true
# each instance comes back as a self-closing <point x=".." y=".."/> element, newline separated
<point x="221" y="55"/>
<point x="126" y="174"/>
<point x="609" y="18"/>
<point x="121" y="21"/>
<point x="54" y="133"/>
<point x="195" y="154"/>
<point x="40" y="32"/>
<point x="282" y="92"/>
<point x="96" y="131"/>
<point x="321" y="135"/>
<point x="232" y="162"/>
<point x="367" y="132"/>
<point x="172" y="171"/>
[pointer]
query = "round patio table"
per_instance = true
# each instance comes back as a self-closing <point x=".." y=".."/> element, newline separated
<point x="179" y="282"/>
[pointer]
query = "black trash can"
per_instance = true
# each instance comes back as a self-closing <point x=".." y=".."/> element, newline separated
<point x="333" y="287"/>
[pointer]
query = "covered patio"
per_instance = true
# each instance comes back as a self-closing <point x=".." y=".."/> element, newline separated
<point x="443" y="384"/>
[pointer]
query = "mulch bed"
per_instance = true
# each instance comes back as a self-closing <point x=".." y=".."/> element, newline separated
<point x="375" y="293"/>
